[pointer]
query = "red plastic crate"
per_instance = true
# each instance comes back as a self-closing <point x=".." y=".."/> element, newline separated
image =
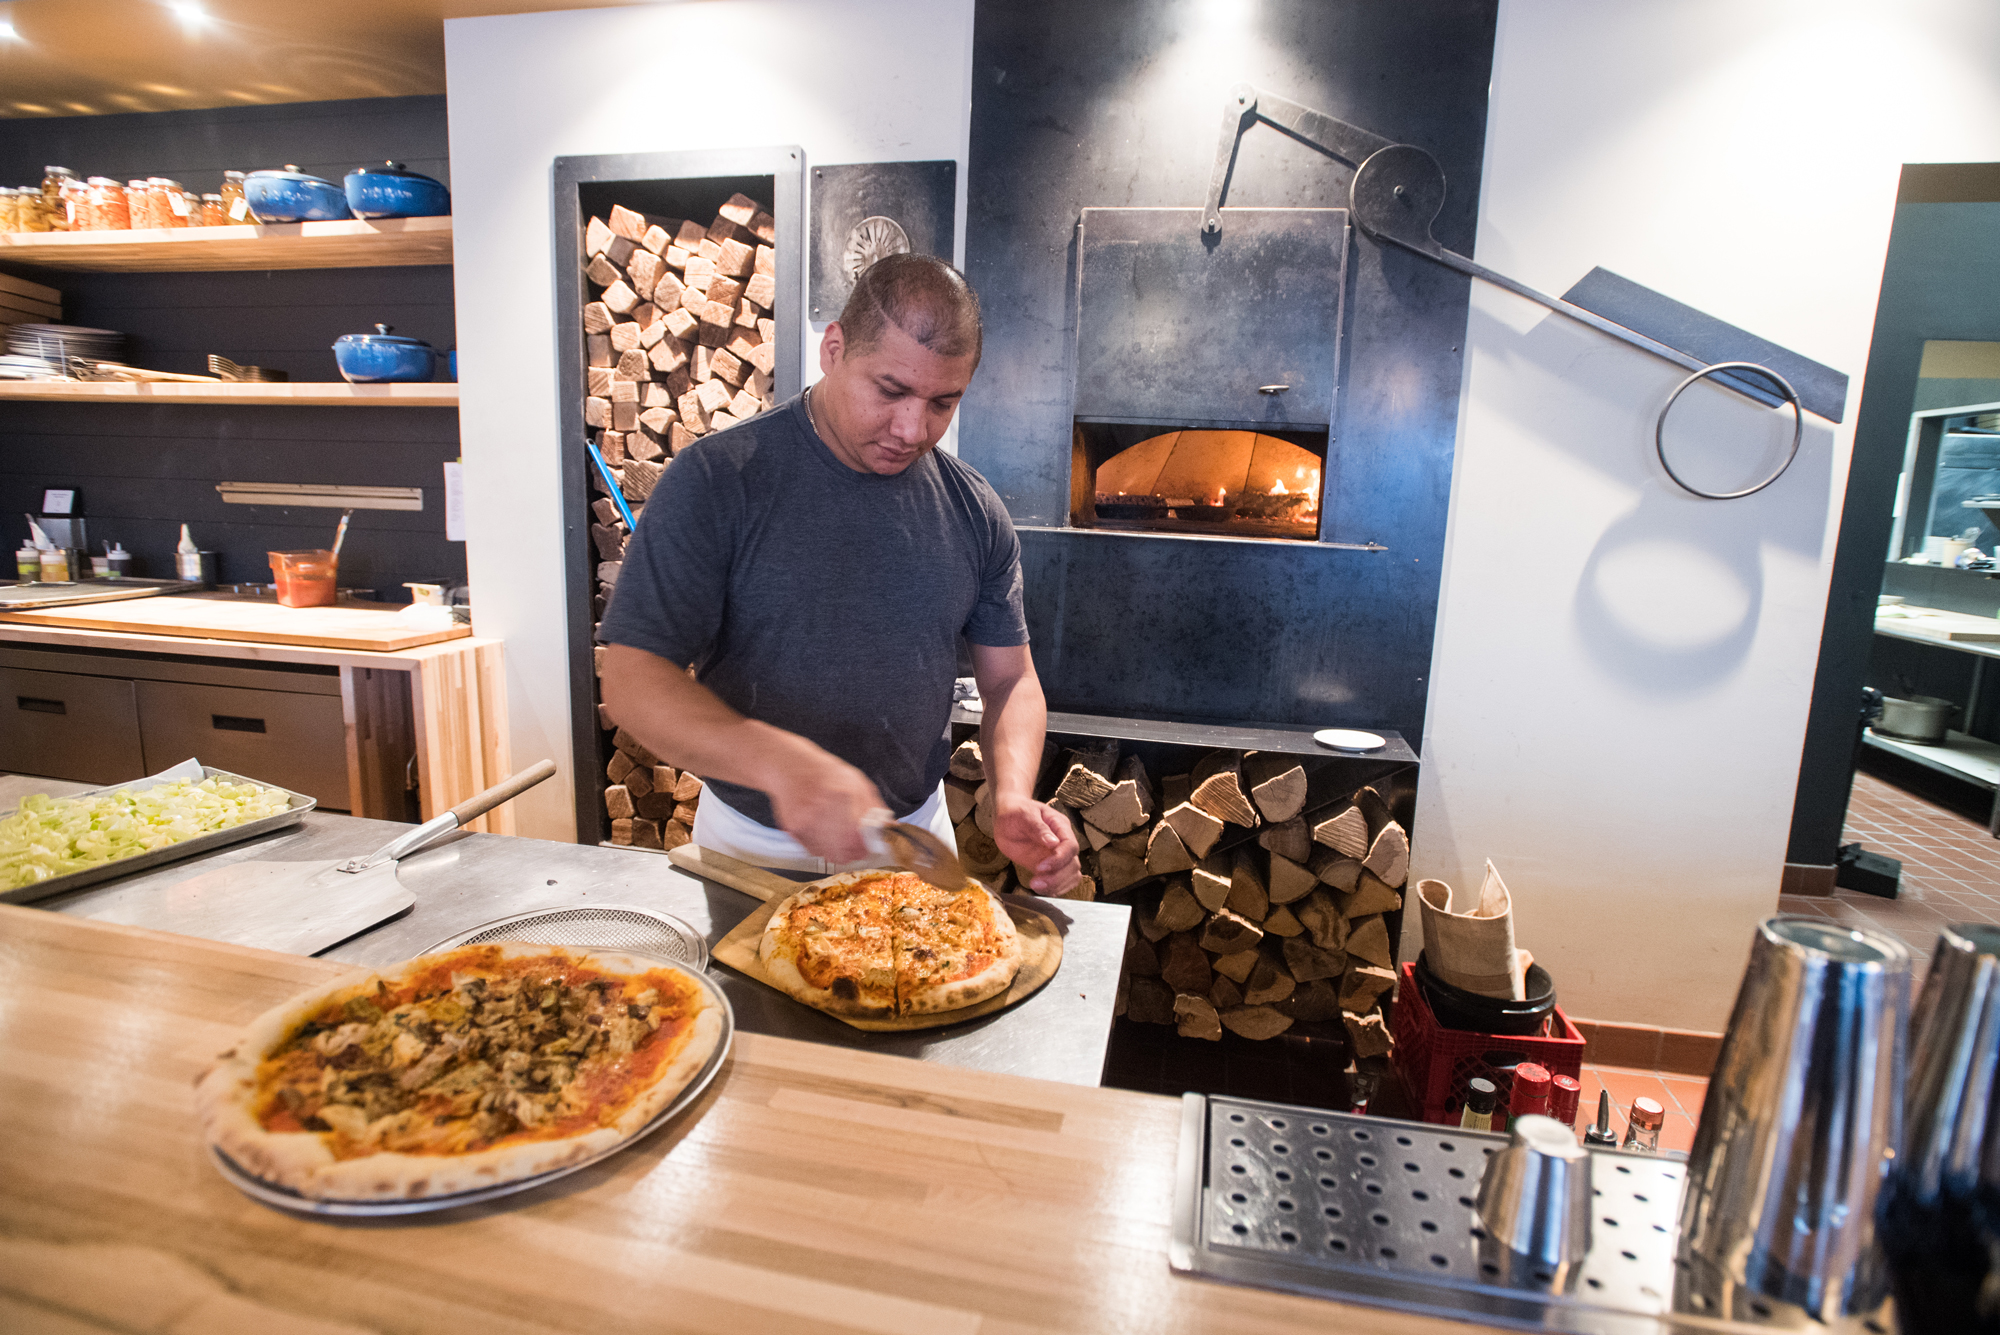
<point x="1436" y="1063"/>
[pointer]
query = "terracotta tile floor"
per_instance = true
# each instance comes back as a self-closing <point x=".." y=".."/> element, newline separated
<point x="1951" y="873"/>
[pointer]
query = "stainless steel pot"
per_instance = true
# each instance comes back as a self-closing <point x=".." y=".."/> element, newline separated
<point x="1921" y="718"/>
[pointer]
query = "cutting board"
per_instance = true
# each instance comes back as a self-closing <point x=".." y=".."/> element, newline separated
<point x="1041" y="943"/>
<point x="230" y="617"/>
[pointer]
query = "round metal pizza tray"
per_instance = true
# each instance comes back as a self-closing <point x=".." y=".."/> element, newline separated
<point x="286" y="1199"/>
<point x="624" y="927"/>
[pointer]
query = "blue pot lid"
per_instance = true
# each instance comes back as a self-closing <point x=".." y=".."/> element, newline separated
<point x="383" y="337"/>
<point x="291" y="172"/>
<point x="396" y="170"/>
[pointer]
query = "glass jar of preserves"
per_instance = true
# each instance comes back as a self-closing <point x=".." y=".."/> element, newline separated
<point x="28" y="212"/>
<point x="105" y="207"/>
<point x="176" y="207"/>
<point x="10" y="209"/>
<point x="60" y="191"/>
<point x="211" y="211"/>
<point x="141" y="207"/>
<point x="235" y="208"/>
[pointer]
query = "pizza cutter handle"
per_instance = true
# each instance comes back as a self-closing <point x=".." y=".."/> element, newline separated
<point x="472" y="808"/>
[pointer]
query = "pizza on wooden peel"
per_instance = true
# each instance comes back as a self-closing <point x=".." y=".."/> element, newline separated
<point x="477" y="1066"/>
<point x="876" y="944"/>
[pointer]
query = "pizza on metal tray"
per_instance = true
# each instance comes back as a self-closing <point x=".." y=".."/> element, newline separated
<point x="477" y="1066"/>
<point x="875" y="944"/>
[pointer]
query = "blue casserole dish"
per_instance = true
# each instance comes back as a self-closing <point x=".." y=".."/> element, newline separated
<point x="393" y="191"/>
<point x="383" y="356"/>
<point x="291" y="196"/>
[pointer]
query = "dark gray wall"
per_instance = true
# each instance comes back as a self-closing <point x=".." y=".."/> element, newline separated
<point x="146" y="470"/>
<point x="1068" y="107"/>
<point x="1938" y="282"/>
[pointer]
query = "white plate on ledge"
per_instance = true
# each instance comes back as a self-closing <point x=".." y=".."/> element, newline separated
<point x="1349" y="739"/>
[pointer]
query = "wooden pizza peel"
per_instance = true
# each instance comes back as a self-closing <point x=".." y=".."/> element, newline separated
<point x="1041" y="943"/>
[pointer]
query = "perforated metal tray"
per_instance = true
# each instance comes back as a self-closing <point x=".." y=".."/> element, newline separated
<point x="623" y="927"/>
<point x="1375" y="1211"/>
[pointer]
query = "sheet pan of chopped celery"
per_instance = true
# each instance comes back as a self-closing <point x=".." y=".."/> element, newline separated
<point x="52" y="845"/>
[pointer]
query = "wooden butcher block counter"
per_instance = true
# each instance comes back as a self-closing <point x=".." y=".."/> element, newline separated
<point x="811" y="1187"/>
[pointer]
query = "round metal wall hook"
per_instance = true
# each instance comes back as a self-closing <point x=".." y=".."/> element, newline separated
<point x="1798" y="430"/>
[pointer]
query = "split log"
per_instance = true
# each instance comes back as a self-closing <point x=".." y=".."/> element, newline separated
<point x="620" y="250"/>
<point x="767" y="261"/>
<point x="1128" y="804"/>
<point x="1133" y="844"/>
<point x="977" y="851"/>
<point x="643" y="270"/>
<point x="1225" y="992"/>
<point x="669" y="293"/>
<point x="1184" y="965"/>
<point x="1218" y="790"/>
<point x="596" y="350"/>
<point x="667" y="356"/>
<point x="639" y="479"/>
<point x="958" y="798"/>
<point x="688" y="787"/>
<point x="1149" y="1001"/>
<point x="689" y="235"/>
<point x="1165" y="852"/>
<point x="1283" y="922"/>
<point x="623" y="390"/>
<point x="714" y="395"/>
<point x="657" y="805"/>
<point x="1179" y="912"/>
<point x="1345" y="832"/>
<point x="619" y="766"/>
<point x="761" y="289"/>
<point x="1149" y="924"/>
<point x="1268" y="982"/>
<point x="681" y="323"/>
<point x="1277" y="785"/>
<point x="673" y="834"/>
<point x="1368" y="939"/>
<point x="1369" y="1036"/>
<point x="625" y="414"/>
<point x="618" y="802"/>
<point x="597" y="235"/>
<point x="745" y="405"/>
<point x="656" y="239"/>
<point x="1290" y="839"/>
<point x="1256" y="1021"/>
<point x="1141" y="960"/>
<point x="1118" y="870"/>
<point x="1088" y="779"/>
<point x="1322" y="918"/>
<point x="1096" y="838"/>
<point x="765" y="355"/>
<point x="968" y="763"/>
<point x="1290" y="882"/>
<point x="1236" y="967"/>
<point x="666" y="778"/>
<point x="646" y="833"/>
<point x="602" y="271"/>
<point x="1227" y="933"/>
<point x="627" y="223"/>
<point x="633" y="747"/>
<point x="1363" y="986"/>
<point x="640" y="782"/>
<point x="1370" y="896"/>
<point x="633" y="364"/>
<point x="1196" y="827"/>
<point x="1335" y="869"/>
<point x="1210" y="887"/>
<point x="1374" y="809"/>
<point x="597" y="317"/>
<point x="763" y="226"/>
<point x="624" y="338"/>
<point x="611" y="444"/>
<point x="1313" y="1002"/>
<point x="621" y="831"/>
<point x="1247" y="897"/>
<point x="1195" y="1017"/>
<point x="684" y="812"/>
<point x="597" y="384"/>
<point x="1085" y="890"/>
<point x="1389" y="855"/>
<point x="982" y="807"/>
<point x="597" y="412"/>
<point x="1308" y="961"/>
<point x="619" y="298"/>
<point x="739" y="209"/>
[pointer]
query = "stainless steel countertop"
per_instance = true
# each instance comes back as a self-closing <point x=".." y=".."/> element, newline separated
<point x="1060" y="1033"/>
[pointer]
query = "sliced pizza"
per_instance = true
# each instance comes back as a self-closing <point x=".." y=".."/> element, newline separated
<point x="481" y="1065"/>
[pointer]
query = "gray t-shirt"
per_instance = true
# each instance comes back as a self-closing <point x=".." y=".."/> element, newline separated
<point x="820" y="600"/>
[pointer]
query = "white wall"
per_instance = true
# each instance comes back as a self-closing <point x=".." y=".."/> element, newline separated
<point x="1621" y="673"/>
<point x="527" y="89"/>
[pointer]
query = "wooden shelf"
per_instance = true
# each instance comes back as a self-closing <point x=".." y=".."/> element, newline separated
<point x="297" y="395"/>
<point x="384" y="243"/>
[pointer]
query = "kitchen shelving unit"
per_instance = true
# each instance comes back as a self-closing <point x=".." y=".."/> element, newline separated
<point x="304" y="394"/>
<point x="354" y="244"/>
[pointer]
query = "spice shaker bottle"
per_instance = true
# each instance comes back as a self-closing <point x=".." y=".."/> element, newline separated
<point x="1642" y="1125"/>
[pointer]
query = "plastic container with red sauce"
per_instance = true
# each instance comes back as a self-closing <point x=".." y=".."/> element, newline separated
<point x="305" y="579"/>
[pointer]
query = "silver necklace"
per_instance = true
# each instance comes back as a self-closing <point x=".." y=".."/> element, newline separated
<point x="810" y="416"/>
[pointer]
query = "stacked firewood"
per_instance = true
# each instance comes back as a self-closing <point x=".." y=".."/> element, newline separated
<point x="679" y="341"/>
<point x="1259" y="896"/>
<point x="651" y="804"/>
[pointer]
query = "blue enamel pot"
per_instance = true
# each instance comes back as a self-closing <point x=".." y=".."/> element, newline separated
<point x="393" y="191"/>
<point x="383" y="356"/>
<point x="291" y="196"/>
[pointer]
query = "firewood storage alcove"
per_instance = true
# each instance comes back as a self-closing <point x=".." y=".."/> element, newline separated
<point x="677" y="313"/>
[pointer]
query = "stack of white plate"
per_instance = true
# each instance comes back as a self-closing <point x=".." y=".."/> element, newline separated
<point x="52" y="345"/>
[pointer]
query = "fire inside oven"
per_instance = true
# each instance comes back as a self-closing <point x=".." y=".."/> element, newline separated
<point x="1221" y="482"/>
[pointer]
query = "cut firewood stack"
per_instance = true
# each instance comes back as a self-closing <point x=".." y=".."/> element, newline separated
<point x="651" y="804"/>
<point x="678" y="342"/>
<point x="1254" y="908"/>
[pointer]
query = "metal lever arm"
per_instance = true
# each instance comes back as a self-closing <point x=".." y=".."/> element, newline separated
<point x="1315" y="129"/>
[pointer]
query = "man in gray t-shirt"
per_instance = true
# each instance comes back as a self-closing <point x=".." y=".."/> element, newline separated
<point x="818" y="566"/>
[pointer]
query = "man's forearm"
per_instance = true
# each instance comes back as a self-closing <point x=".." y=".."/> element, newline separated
<point x="1011" y="731"/>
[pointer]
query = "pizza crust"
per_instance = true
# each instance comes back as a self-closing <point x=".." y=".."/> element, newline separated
<point x="226" y="1097"/>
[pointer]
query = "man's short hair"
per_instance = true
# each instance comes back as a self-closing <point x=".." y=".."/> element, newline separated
<point x="922" y="296"/>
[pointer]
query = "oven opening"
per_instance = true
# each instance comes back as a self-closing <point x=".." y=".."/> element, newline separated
<point x="1219" y="482"/>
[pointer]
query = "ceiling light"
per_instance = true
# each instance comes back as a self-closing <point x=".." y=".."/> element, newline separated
<point x="190" y="13"/>
<point x="8" y="32"/>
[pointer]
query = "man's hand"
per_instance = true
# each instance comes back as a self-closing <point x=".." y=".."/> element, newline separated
<point x="1037" y="836"/>
<point x="819" y="800"/>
